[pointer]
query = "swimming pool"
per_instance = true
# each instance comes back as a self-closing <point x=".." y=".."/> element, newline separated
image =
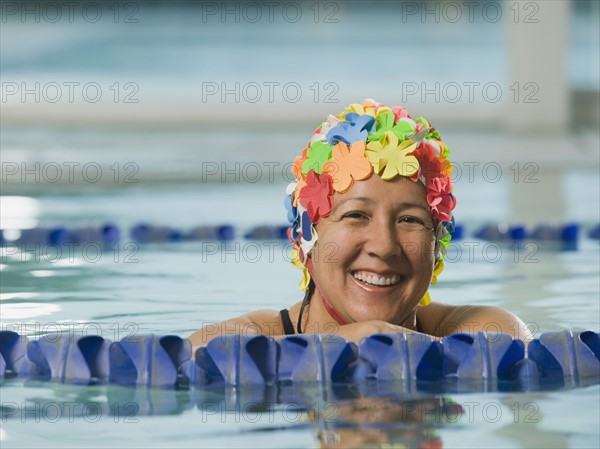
<point x="174" y="288"/>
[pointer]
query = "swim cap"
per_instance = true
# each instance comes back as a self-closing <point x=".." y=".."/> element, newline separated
<point x="349" y="147"/>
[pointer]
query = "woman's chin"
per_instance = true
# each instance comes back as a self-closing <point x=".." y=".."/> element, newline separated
<point x="365" y="312"/>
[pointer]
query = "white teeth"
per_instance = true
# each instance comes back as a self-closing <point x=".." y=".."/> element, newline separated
<point x="373" y="279"/>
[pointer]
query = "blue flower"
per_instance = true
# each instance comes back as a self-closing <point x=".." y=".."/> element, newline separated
<point x="292" y="215"/>
<point x="355" y="128"/>
<point x="292" y="212"/>
<point x="306" y="227"/>
<point x="449" y="225"/>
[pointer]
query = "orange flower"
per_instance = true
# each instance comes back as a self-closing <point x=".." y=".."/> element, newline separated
<point x="347" y="165"/>
<point x="296" y="196"/>
<point x="297" y="167"/>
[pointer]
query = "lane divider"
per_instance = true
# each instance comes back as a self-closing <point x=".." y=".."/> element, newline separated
<point x="109" y="234"/>
<point x="565" y="357"/>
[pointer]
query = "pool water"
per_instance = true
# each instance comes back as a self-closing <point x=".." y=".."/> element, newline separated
<point x="175" y="288"/>
<point x="167" y="55"/>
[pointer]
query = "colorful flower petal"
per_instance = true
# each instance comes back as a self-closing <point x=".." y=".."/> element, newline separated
<point x="297" y="262"/>
<point x="318" y="153"/>
<point x="347" y="165"/>
<point x="299" y="186"/>
<point x="317" y="195"/>
<point x="356" y="127"/>
<point x="306" y="226"/>
<point x="389" y="158"/>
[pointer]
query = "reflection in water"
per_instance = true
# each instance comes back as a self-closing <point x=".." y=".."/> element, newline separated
<point x="389" y="422"/>
<point x="341" y="416"/>
<point x="351" y="416"/>
<point x="18" y="212"/>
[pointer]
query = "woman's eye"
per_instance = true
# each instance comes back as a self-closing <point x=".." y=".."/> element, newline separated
<point x="413" y="223"/>
<point x="412" y="220"/>
<point x="355" y="215"/>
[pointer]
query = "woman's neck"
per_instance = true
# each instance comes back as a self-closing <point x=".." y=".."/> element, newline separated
<point x="316" y="317"/>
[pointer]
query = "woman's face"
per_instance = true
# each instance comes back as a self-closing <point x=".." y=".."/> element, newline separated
<point x="374" y="256"/>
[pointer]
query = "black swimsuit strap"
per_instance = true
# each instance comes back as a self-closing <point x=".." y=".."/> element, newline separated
<point x="288" y="327"/>
<point x="418" y="324"/>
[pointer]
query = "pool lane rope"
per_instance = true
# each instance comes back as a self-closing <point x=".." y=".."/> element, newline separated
<point x="110" y="234"/>
<point x="565" y="357"/>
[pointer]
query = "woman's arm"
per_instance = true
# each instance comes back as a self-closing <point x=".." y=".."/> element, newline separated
<point x="357" y="331"/>
<point x="449" y="320"/>
<point x="243" y="325"/>
<point x="266" y="322"/>
<point x="438" y="320"/>
<point x="258" y="322"/>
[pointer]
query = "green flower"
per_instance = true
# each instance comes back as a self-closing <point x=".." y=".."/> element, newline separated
<point x="318" y="153"/>
<point x="433" y="133"/>
<point x="445" y="241"/>
<point x="385" y="123"/>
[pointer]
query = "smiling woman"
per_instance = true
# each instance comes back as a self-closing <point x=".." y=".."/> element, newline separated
<point x="371" y="219"/>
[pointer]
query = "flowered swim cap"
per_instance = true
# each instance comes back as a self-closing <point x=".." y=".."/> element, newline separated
<point x="349" y="147"/>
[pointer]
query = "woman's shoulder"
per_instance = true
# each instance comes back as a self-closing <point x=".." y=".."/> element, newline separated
<point x="257" y="322"/>
<point x="440" y="320"/>
<point x="268" y="320"/>
<point x="263" y="321"/>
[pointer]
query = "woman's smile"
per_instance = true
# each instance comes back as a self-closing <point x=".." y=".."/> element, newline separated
<point x="374" y="279"/>
<point x="379" y="281"/>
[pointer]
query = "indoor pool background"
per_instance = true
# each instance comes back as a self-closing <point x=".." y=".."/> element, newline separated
<point x="154" y="154"/>
<point x="173" y="288"/>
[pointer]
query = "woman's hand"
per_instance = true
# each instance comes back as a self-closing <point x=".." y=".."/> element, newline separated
<point x="357" y="331"/>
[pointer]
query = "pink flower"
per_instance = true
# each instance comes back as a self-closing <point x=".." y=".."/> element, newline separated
<point x="399" y="112"/>
<point x="440" y="185"/>
<point x="425" y="154"/>
<point x="317" y="195"/>
<point x="441" y="206"/>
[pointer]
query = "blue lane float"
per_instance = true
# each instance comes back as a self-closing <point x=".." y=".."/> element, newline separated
<point x="148" y="360"/>
<point x="267" y="233"/>
<point x="234" y="360"/>
<point x="67" y="359"/>
<point x="166" y="361"/>
<point x="224" y="232"/>
<point x="13" y="353"/>
<point x="481" y="356"/>
<point x="315" y="357"/>
<point x="561" y="354"/>
<point x="567" y="233"/>
<point x="594" y="233"/>
<point x="387" y="357"/>
<point x="145" y="233"/>
<point x="104" y="235"/>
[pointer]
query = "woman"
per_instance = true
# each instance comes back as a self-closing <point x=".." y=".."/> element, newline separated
<point x="371" y="214"/>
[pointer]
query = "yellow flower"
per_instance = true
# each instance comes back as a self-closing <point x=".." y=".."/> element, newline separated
<point x="298" y="264"/>
<point x="392" y="158"/>
<point x="439" y="267"/>
<point x="425" y="301"/>
<point x="367" y="107"/>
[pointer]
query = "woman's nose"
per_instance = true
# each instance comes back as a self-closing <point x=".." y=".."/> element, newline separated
<point x="383" y="240"/>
